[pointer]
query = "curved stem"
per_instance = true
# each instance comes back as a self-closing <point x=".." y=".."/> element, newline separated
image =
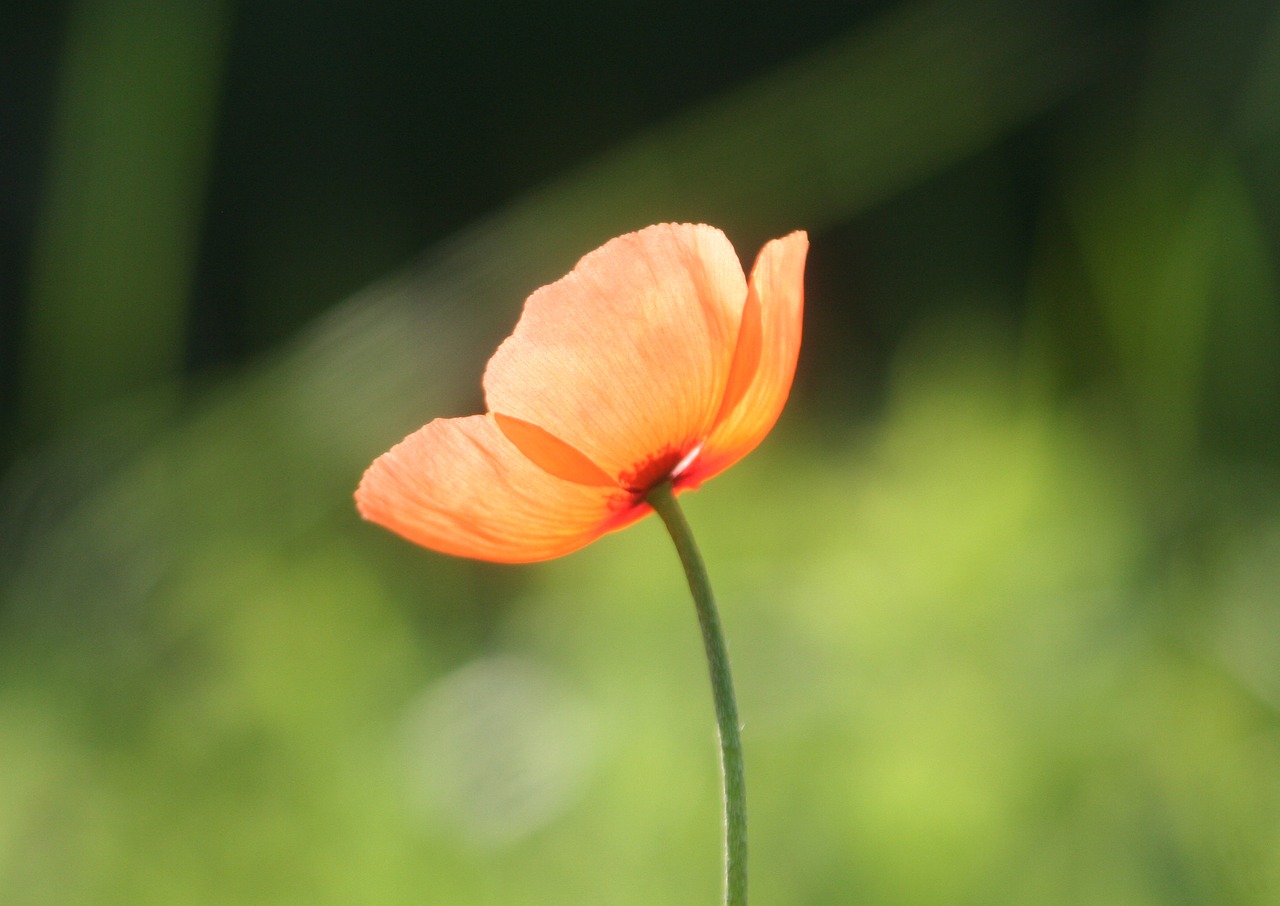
<point x="663" y="500"/>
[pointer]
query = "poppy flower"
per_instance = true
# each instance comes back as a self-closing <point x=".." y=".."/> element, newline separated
<point x="655" y="359"/>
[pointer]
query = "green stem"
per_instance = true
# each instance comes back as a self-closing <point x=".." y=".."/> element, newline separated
<point x="663" y="500"/>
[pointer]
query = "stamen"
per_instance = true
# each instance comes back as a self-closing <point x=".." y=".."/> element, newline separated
<point x="687" y="461"/>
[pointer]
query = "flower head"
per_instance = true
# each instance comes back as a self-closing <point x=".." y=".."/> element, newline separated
<point x="653" y="360"/>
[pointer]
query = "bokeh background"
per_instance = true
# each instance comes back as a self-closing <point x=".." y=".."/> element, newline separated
<point x="1001" y="588"/>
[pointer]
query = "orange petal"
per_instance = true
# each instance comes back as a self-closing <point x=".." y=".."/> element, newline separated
<point x="551" y="454"/>
<point x="625" y="358"/>
<point x="460" y="487"/>
<point x="764" y="361"/>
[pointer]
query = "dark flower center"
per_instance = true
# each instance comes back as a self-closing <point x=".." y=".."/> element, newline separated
<point x="648" y="473"/>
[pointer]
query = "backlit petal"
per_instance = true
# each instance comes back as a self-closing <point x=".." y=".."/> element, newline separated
<point x="551" y="454"/>
<point x="459" y="486"/>
<point x="764" y="361"/>
<point x="625" y="359"/>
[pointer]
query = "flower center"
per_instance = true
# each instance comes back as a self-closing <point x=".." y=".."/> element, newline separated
<point x="652" y="470"/>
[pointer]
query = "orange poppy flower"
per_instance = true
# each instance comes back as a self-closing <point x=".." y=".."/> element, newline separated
<point x="654" y="359"/>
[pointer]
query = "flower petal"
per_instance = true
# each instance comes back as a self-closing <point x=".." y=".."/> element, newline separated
<point x="764" y="361"/>
<point x="625" y="358"/>
<point x="459" y="486"/>
<point x="551" y="454"/>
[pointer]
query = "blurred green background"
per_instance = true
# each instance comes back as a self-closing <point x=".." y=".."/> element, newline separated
<point x="1001" y="588"/>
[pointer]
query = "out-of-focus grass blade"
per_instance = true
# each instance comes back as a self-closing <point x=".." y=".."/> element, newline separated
<point x="116" y="241"/>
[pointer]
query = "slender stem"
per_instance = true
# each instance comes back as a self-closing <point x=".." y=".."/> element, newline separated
<point x="663" y="500"/>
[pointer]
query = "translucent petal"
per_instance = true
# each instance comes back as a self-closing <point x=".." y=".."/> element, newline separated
<point x="764" y="362"/>
<point x="551" y="454"/>
<point x="625" y="359"/>
<point x="459" y="486"/>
